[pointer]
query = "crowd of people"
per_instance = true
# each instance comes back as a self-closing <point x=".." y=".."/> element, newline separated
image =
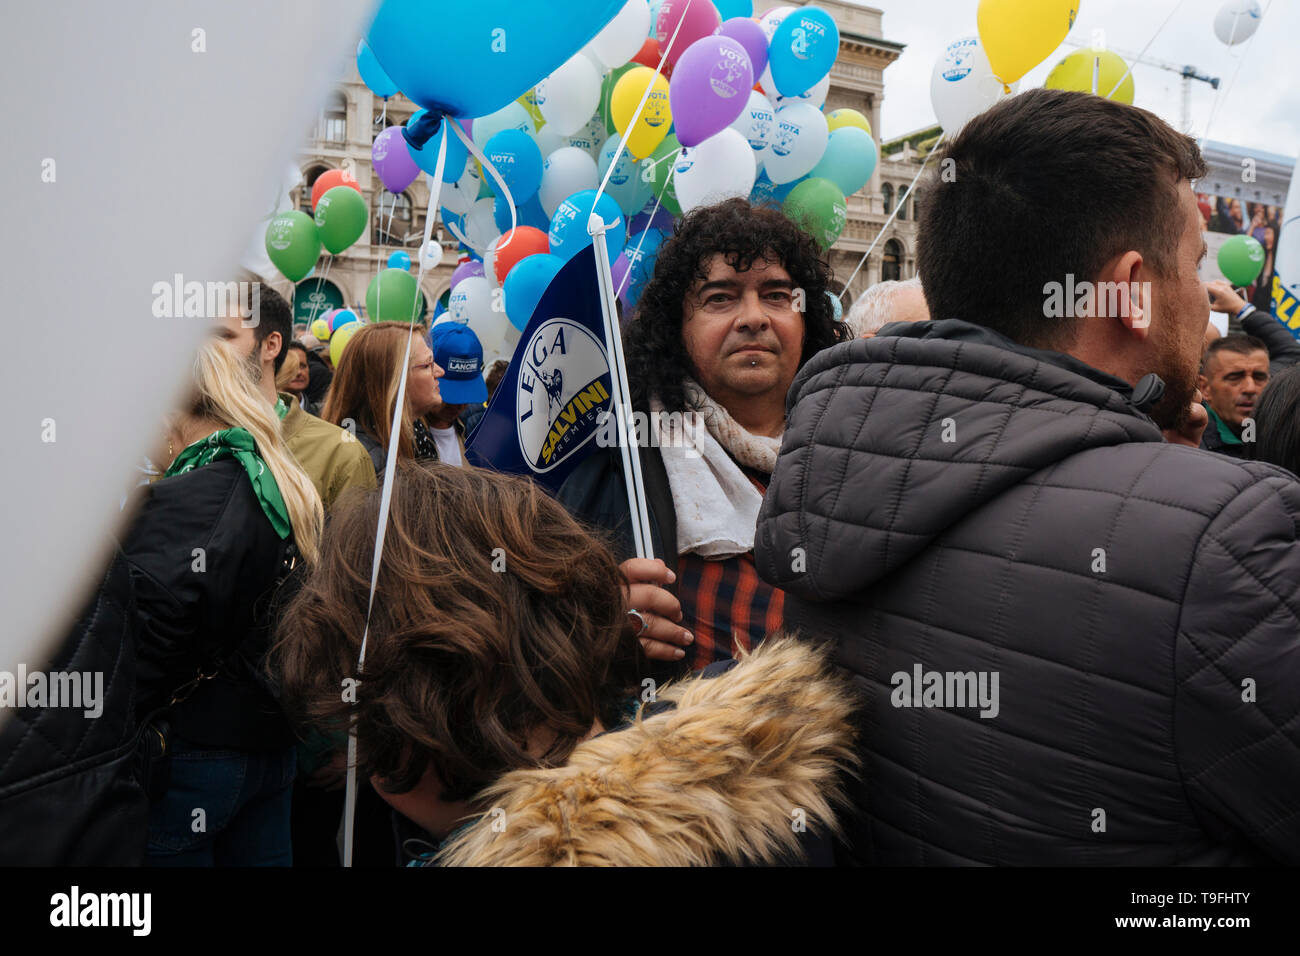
<point x="951" y="581"/>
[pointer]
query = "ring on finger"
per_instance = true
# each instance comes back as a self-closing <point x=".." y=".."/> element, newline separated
<point x="645" y="625"/>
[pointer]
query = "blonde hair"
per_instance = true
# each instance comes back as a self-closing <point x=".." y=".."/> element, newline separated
<point x="293" y="362"/>
<point x="226" y="393"/>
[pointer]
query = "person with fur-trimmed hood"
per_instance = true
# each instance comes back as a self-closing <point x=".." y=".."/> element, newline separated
<point x="502" y="706"/>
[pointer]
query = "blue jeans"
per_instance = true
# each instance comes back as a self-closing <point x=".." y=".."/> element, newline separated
<point x="245" y="800"/>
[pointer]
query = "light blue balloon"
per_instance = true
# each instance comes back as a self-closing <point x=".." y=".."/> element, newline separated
<point x="427" y="157"/>
<point x="372" y="74"/>
<point x="849" y="160"/>
<point x="399" y="260"/>
<point x="569" y="236"/>
<point x="641" y="264"/>
<point x="519" y="161"/>
<point x="654" y="16"/>
<point x="837" y="307"/>
<point x="734" y="8"/>
<point x="526" y="283"/>
<point x="628" y="186"/>
<point x="530" y="213"/>
<point x="470" y="59"/>
<point x="803" y="50"/>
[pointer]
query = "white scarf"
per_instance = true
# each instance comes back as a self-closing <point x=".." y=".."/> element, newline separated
<point x="716" y="503"/>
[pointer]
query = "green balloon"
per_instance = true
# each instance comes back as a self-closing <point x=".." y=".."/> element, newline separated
<point x="391" y="297"/>
<point x="819" y="208"/>
<point x="1241" y="260"/>
<point x="665" y="189"/>
<point x="607" y="93"/>
<point x="292" y="244"/>
<point x="340" y="218"/>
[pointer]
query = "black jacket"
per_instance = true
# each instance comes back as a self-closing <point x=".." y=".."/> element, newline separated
<point x="319" y="376"/>
<point x="68" y="794"/>
<point x="596" y="493"/>
<point x="205" y="562"/>
<point x="949" y="500"/>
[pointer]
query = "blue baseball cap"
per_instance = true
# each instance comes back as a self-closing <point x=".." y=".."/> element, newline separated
<point x="460" y="354"/>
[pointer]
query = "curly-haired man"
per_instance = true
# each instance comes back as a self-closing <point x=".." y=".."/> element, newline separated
<point x="736" y="306"/>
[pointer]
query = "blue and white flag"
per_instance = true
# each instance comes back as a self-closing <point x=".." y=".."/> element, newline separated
<point x="544" y="415"/>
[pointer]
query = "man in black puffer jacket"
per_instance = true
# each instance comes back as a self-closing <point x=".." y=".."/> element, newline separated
<point x="1077" y="643"/>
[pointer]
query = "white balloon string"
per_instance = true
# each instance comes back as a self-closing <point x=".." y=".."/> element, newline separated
<point x="632" y="259"/>
<point x="934" y="149"/>
<point x="505" y="190"/>
<point x="1222" y="94"/>
<point x="320" y="283"/>
<point x="1159" y="30"/>
<point x="385" y="501"/>
<point x="640" y="107"/>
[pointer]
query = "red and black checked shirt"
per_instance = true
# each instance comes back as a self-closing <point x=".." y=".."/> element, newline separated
<point x="725" y="604"/>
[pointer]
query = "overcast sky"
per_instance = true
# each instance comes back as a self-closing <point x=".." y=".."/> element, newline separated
<point x="1259" y="110"/>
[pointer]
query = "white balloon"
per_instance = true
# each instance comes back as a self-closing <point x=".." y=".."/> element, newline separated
<point x="461" y="195"/>
<point x="962" y="84"/>
<point x="511" y="116"/>
<point x="798" y="141"/>
<point x="481" y="225"/>
<point x="816" y="95"/>
<point x="431" y="255"/>
<point x="1237" y="21"/>
<point x="548" y="141"/>
<point x="569" y="96"/>
<point x="720" y="167"/>
<point x="565" y="172"/>
<point x="769" y="22"/>
<point x="755" y="123"/>
<point x="590" y="138"/>
<point x="623" y="36"/>
<point x="490" y="263"/>
<point x="471" y="303"/>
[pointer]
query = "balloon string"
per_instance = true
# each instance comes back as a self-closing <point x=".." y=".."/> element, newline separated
<point x="385" y="501"/>
<point x="1221" y="95"/>
<point x="1145" y="48"/>
<point x="329" y="260"/>
<point x="892" y="215"/>
<point x="640" y="107"/>
<point x="628" y="274"/>
<point x="505" y="190"/>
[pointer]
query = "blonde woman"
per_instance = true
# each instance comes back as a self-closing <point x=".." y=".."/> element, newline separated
<point x="210" y="543"/>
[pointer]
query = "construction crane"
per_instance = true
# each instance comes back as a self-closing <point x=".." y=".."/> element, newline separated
<point x="1188" y="73"/>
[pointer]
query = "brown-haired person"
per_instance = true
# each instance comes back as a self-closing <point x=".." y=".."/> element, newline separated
<point x="363" y="393"/>
<point x="1078" y="642"/>
<point x="497" y="660"/>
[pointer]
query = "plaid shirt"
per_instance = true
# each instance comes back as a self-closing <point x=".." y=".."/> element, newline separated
<point x="726" y="605"/>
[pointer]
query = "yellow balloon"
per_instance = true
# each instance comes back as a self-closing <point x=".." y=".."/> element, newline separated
<point x="1074" y="72"/>
<point x="340" y="340"/>
<point x="656" y="118"/>
<point x="847" y="117"/>
<point x="321" y="329"/>
<point x="1017" y="35"/>
<point x="529" y="102"/>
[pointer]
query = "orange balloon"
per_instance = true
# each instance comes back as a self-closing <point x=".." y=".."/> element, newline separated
<point x="650" y="54"/>
<point x="327" y="181"/>
<point x="524" y="242"/>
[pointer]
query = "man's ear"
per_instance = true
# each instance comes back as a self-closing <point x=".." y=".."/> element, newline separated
<point x="1202" y="382"/>
<point x="271" y="346"/>
<point x="1131" y="301"/>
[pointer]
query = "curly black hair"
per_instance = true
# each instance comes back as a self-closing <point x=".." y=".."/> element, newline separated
<point x="657" y="360"/>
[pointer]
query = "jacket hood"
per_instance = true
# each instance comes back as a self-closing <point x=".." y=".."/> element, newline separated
<point x="926" y="423"/>
<point x="716" y="779"/>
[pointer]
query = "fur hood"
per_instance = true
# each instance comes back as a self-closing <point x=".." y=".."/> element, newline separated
<point x="716" y="779"/>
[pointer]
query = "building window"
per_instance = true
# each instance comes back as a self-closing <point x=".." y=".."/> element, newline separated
<point x="887" y="192"/>
<point x="890" y="267"/>
<point x="916" y="205"/>
<point x="309" y="180"/>
<point x="396" y="231"/>
<point x="902" y="202"/>
<point x="333" y="124"/>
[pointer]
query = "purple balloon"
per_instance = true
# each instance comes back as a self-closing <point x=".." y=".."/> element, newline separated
<point x="619" y="270"/>
<point x="466" y="270"/>
<point x="392" y="160"/>
<point x="663" y="220"/>
<point x="710" y="88"/>
<point x="751" y="36"/>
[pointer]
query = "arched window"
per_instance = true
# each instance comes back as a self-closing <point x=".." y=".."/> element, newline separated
<point x="916" y="205"/>
<point x="887" y="191"/>
<point x="394" y="233"/>
<point x="890" y="267"/>
<point x="333" y="124"/>
<point x="308" y="180"/>
<point x="902" y="202"/>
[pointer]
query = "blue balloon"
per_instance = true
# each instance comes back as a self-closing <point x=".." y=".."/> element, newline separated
<point x="399" y="260"/>
<point x="372" y="74"/>
<point x="471" y="59"/>
<point x="526" y="283"/>
<point x="849" y="160"/>
<point x="427" y="156"/>
<point x="569" y="236"/>
<point x="734" y="8"/>
<point x="518" y="159"/>
<point x="654" y="16"/>
<point x="530" y="213"/>
<point x="628" y="185"/>
<point x="803" y="50"/>
<point x="642" y="265"/>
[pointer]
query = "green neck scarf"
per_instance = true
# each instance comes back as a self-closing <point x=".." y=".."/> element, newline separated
<point x="1226" y="433"/>
<point x="237" y="443"/>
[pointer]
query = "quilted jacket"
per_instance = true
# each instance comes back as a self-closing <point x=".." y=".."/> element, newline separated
<point x="950" y="507"/>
